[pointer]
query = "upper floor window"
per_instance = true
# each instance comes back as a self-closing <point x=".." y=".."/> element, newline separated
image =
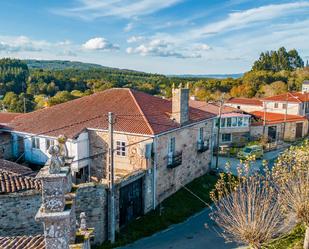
<point x="121" y="148"/>
<point x="284" y="106"/>
<point x="171" y="146"/>
<point x="227" y="137"/>
<point x="228" y="122"/>
<point x="35" y="142"/>
<point x="276" y="105"/>
<point x="201" y="134"/>
<point x="49" y="142"/>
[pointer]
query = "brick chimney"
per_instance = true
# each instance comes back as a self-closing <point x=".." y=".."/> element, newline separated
<point x="180" y="104"/>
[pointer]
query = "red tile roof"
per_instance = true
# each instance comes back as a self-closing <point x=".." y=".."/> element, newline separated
<point x="136" y="112"/>
<point x="296" y="97"/>
<point x="212" y="108"/>
<point x="23" y="242"/>
<point x="245" y="101"/>
<point x="7" y="117"/>
<point x="15" y="178"/>
<point x="276" y="118"/>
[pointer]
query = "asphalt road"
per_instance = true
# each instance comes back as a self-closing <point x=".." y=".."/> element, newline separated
<point x="193" y="233"/>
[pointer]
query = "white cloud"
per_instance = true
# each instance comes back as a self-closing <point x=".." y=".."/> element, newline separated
<point x="162" y="48"/>
<point x="241" y="19"/>
<point x="92" y="9"/>
<point x="134" y="39"/>
<point x="202" y="47"/>
<point x="128" y="27"/>
<point x="99" y="43"/>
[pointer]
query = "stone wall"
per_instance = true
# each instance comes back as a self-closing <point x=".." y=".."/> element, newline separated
<point x="194" y="164"/>
<point x="6" y="145"/>
<point x="91" y="198"/>
<point x="17" y="212"/>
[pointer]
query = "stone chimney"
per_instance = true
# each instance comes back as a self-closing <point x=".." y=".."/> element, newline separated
<point x="180" y="104"/>
<point x="305" y="86"/>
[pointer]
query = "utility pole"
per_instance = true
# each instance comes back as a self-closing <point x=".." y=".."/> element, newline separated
<point x="218" y="133"/>
<point x="111" y="173"/>
<point x="286" y="111"/>
<point x="25" y="104"/>
<point x="264" y="119"/>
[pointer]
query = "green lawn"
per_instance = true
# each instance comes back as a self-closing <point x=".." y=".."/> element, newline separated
<point x="174" y="209"/>
<point x="294" y="240"/>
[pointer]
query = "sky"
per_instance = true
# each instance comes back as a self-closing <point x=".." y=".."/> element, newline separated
<point x="158" y="36"/>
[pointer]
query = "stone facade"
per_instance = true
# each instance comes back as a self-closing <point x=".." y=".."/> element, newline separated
<point x="6" y="145"/>
<point x="194" y="164"/>
<point x="91" y="198"/>
<point x="17" y="211"/>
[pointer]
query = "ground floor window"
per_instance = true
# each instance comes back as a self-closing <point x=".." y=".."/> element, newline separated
<point x="120" y="148"/>
<point x="226" y="137"/>
<point x="35" y="143"/>
<point x="82" y="175"/>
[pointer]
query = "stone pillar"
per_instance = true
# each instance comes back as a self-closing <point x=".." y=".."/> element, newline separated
<point x="54" y="213"/>
<point x="180" y="104"/>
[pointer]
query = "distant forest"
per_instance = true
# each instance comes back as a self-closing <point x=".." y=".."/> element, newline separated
<point x="33" y="84"/>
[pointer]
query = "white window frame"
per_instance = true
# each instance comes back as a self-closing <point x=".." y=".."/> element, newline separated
<point x="121" y="148"/>
<point x="225" y="141"/>
<point x="50" y="141"/>
<point x="35" y="143"/>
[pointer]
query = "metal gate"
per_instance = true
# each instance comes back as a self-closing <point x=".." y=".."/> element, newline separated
<point x="131" y="201"/>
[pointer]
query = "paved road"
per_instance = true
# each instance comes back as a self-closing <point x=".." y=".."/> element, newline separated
<point x="192" y="234"/>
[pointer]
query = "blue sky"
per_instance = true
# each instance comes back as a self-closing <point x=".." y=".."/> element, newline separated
<point x="160" y="36"/>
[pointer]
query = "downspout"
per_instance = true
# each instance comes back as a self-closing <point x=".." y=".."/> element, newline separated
<point x="154" y="174"/>
<point x="213" y="133"/>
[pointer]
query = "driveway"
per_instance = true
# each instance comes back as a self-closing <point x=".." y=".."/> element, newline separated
<point x="270" y="157"/>
<point x="192" y="234"/>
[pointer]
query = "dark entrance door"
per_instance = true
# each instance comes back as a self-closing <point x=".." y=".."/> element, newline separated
<point x="131" y="201"/>
<point x="272" y="132"/>
<point x="299" y="130"/>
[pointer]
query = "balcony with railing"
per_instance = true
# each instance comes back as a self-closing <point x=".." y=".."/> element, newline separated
<point x="174" y="160"/>
<point x="202" y="146"/>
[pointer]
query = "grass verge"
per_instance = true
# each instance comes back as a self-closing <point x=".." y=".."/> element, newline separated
<point x="293" y="240"/>
<point x="174" y="209"/>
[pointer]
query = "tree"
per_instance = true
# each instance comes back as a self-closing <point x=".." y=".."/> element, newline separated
<point x="60" y="97"/>
<point x="291" y="175"/>
<point x="275" y="88"/>
<point x="246" y="208"/>
<point x="278" y="60"/>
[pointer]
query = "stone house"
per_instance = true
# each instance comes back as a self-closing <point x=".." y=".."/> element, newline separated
<point x="235" y="124"/>
<point x="245" y="104"/>
<point x="159" y="145"/>
<point x="277" y="126"/>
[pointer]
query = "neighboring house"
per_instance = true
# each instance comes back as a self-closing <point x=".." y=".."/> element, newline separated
<point x="167" y="140"/>
<point x="245" y="104"/>
<point x="277" y="126"/>
<point x="293" y="103"/>
<point x="235" y="125"/>
<point x="19" y="194"/>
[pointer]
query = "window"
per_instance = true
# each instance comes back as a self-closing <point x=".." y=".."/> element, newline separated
<point x="121" y="148"/>
<point x="201" y="134"/>
<point x="228" y="122"/>
<point x="35" y="143"/>
<point x="246" y="122"/>
<point x="223" y="121"/>
<point x="226" y="137"/>
<point x="284" y="106"/>
<point x="234" y="122"/>
<point x="276" y="105"/>
<point x="48" y="143"/>
<point x="238" y="107"/>
<point x="240" y="121"/>
<point x="171" y="146"/>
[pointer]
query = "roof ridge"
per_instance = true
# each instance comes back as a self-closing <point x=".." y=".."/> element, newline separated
<point x="140" y="109"/>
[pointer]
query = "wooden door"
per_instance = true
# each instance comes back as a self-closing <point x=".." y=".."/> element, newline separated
<point x="299" y="130"/>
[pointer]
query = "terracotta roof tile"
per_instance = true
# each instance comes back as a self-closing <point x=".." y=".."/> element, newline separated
<point x="246" y="101"/>
<point x="136" y="112"/>
<point x="212" y="108"/>
<point x="15" y="178"/>
<point x="275" y="118"/>
<point x="296" y="97"/>
<point x="23" y="242"/>
<point x="7" y="117"/>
